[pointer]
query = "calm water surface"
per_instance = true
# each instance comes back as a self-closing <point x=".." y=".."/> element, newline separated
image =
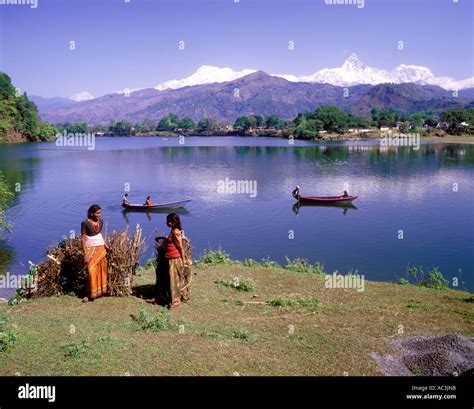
<point x="399" y="189"/>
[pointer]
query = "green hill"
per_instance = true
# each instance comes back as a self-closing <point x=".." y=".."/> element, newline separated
<point x="19" y="120"/>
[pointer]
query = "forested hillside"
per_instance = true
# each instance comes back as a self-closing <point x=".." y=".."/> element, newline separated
<point x="19" y="120"/>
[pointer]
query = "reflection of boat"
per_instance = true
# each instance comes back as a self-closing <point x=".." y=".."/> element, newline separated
<point x="341" y="205"/>
<point x="161" y="206"/>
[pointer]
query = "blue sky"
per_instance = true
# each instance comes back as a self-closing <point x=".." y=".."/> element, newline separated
<point x="135" y="45"/>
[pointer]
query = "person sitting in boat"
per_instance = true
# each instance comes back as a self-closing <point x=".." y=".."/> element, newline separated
<point x="345" y="193"/>
<point x="148" y="201"/>
<point x="125" y="199"/>
<point x="296" y="193"/>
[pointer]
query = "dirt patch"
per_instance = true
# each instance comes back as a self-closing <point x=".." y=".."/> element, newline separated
<point x="448" y="355"/>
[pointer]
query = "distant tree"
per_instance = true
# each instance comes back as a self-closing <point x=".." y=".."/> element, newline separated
<point x="186" y="123"/>
<point x="121" y="128"/>
<point x="98" y="128"/>
<point x="386" y="117"/>
<point x="354" y="121"/>
<point x="168" y="123"/>
<point x="207" y="124"/>
<point x="431" y="121"/>
<point x="417" y="120"/>
<point x="454" y="117"/>
<point x="243" y="123"/>
<point x="273" y="121"/>
<point x="333" y="118"/>
<point x="259" y="121"/>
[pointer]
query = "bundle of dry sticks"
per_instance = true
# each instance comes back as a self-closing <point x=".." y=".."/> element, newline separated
<point x="65" y="271"/>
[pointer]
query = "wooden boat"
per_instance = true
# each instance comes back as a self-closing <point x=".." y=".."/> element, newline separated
<point x="171" y="205"/>
<point x="326" y="199"/>
<point x="345" y="198"/>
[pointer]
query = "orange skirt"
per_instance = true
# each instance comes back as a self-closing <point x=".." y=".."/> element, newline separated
<point x="97" y="269"/>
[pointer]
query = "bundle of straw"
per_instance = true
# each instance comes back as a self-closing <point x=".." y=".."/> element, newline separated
<point x="65" y="271"/>
<point x="123" y="260"/>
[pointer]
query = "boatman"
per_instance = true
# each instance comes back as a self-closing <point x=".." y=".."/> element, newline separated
<point x="125" y="199"/>
<point x="296" y="193"/>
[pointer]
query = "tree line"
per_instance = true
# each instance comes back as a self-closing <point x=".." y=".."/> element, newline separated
<point x="308" y="125"/>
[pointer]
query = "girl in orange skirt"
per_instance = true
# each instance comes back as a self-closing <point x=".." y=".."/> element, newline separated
<point x="95" y="252"/>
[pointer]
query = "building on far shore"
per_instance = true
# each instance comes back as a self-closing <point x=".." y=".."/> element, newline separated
<point x="359" y="130"/>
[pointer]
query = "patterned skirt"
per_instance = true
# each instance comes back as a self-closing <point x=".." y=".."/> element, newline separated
<point x="172" y="281"/>
<point x="97" y="271"/>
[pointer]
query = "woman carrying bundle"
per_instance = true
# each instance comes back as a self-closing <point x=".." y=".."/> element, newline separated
<point x="95" y="252"/>
<point x="173" y="272"/>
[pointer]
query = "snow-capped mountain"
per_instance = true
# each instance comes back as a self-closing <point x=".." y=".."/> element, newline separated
<point x="352" y="72"/>
<point x="82" y="96"/>
<point x="355" y="72"/>
<point x="206" y="74"/>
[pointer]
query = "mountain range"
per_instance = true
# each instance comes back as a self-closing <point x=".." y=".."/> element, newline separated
<point x="254" y="93"/>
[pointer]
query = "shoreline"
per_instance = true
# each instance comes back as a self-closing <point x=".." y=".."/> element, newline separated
<point x="461" y="139"/>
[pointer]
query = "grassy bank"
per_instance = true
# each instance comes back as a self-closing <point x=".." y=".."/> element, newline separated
<point x="250" y="320"/>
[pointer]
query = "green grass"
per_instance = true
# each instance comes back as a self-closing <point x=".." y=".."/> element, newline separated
<point x="161" y="321"/>
<point x="417" y="304"/>
<point x="248" y="333"/>
<point x="75" y="349"/>
<point x="7" y="335"/>
<point x="296" y="303"/>
<point x="237" y="283"/>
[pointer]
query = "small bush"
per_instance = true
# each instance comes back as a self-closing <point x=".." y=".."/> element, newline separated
<point x="7" y="335"/>
<point x="214" y="258"/>
<point x="75" y="350"/>
<point x="238" y="283"/>
<point x="302" y="265"/>
<point x="403" y="281"/>
<point x="266" y="262"/>
<point x="250" y="262"/>
<point x="242" y="334"/>
<point x="296" y="302"/>
<point x="148" y="320"/>
<point x="431" y="279"/>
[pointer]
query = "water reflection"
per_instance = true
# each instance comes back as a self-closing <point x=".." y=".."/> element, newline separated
<point x="149" y="212"/>
<point x="343" y="206"/>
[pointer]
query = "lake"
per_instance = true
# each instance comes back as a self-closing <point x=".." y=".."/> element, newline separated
<point x="427" y="194"/>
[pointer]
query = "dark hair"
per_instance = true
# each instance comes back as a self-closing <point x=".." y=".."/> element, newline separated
<point x="148" y="197"/>
<point x="92" y="210"/>
<point x="174" y="220"/>
<point x="126" y="194"/>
